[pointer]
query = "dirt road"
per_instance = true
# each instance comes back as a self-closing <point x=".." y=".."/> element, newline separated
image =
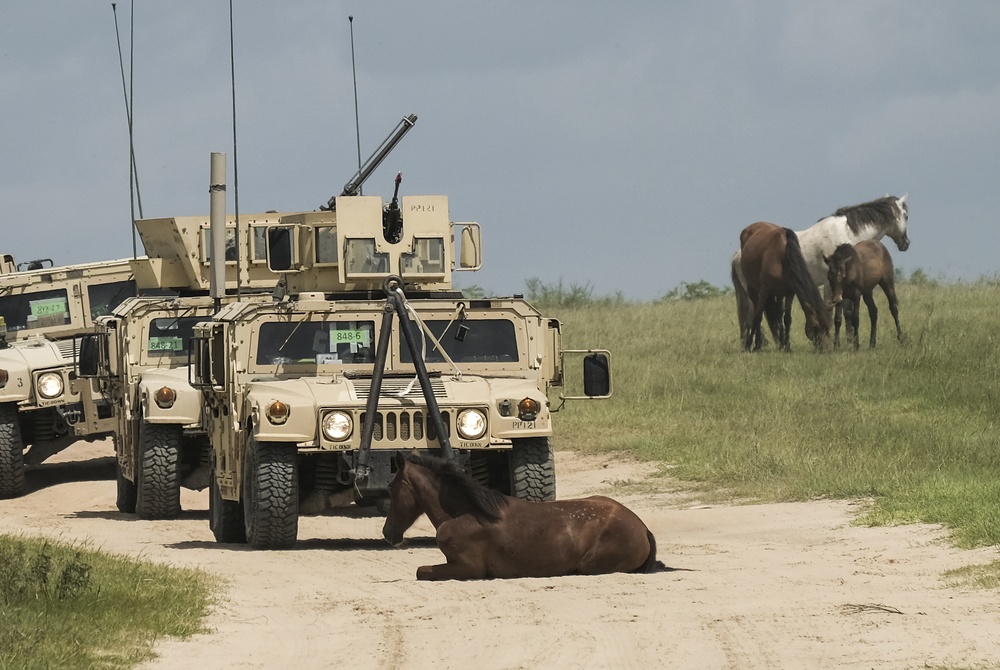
<point x="762" y="586"/>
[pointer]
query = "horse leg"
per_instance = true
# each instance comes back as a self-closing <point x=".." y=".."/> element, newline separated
<point x="838" y="318"/>
<point x="851" y="309"/>
<point x="786" y="335"/>
<point x="873" y="315"/>
<point x="754" y="336"/>
<point x="890" y="293"/>
<point x="464" y="549"/>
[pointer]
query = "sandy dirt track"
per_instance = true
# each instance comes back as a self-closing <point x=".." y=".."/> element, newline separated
<point x="760" y="586"/>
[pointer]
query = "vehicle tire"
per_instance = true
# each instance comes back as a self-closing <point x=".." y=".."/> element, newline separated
<point x="271" y="494"/>
<point x="126" y="492"/>
<point x="126" y="488"/>
<point x="225" y="517"/>
<point x="532" y="469"/>
<point x="11" y="453"/>
<point x="158" y="492"/>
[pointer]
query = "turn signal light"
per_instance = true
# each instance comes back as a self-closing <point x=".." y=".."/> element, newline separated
<point x="165" y="397"/>
<point x="527" y="409"/>
<point x="277" y="412"/>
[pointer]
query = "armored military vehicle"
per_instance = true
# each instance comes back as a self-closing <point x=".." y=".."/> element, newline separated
<point x="138" y="356"/>
<point x="41" y="403"/>
<point x="308" y="397"/>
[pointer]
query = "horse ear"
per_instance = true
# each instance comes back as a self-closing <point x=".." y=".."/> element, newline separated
<point x="400" y="460"/>
<point x="903" y="199"/>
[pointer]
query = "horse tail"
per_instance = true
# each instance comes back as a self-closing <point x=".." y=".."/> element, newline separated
<point x="802" y="282"/>
<point x="744" y="306"/>
<point x="651" y="564"/>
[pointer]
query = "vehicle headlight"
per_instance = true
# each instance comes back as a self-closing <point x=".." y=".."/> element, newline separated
<point x="337" y="426"/>
<point x="165" y="397"/>
<point x="471" y="424"/>
<point x="3" y="378"/>
<point x="277" y="412"/>
<point x="50" y="385"/>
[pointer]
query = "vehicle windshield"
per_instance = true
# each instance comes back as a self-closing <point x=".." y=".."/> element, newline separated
<point x="317" y="342"/>
<point x="105" y="297"/>
<point x="43" y="309"/>
<point x="470" y="341"/>
<point x="169" y="336"/>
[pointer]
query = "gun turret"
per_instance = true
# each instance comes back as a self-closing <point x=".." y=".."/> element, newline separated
<point x="353" y="187"/>
<point x="392" y="217"/>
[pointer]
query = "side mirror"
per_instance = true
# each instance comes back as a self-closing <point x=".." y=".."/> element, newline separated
<point x="596" y="376"/>
<point x="88" y="363"/>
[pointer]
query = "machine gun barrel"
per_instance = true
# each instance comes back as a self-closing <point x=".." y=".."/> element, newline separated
<point x="354" y="186"/>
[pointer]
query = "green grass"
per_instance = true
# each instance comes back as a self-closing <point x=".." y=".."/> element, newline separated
<point x="66" y="607"/>
<point x="911" y="426"/>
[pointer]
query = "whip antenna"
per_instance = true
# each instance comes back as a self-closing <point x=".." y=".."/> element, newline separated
<point x="236" y="172"/>
<point x="354" y="73"/>
<point x="133" y="181"/>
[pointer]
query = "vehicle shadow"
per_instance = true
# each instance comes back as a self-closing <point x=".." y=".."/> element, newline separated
<point x="332" y="544"/>
<point x="47" y="475"/>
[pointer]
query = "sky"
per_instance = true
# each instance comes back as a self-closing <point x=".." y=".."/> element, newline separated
<point x="620" y="147"/>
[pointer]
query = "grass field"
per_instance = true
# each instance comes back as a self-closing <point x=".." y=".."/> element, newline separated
<point x="911" y="426"/>
<point x="67" y="607"/>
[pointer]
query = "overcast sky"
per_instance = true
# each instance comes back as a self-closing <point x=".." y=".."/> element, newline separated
<point x="620" y="145"/>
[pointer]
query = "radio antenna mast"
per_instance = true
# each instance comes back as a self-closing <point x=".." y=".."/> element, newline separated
<point x="133" y="181"/>
<point x="357" y="122"/>
<point x="236" y="172"/>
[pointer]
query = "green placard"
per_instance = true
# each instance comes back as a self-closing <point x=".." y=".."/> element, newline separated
<point x="166" y="344"/>
<point x="350" y="336"/>
<point x="48" y="307"/>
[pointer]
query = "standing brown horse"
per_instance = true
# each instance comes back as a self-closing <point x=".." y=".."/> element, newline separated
<point x="775" y="270"/>
<point x="485" y="534"/>
<point x="854" y="272"/>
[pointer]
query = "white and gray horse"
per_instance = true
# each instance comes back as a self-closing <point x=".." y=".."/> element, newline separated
<point x="885" y="217"/>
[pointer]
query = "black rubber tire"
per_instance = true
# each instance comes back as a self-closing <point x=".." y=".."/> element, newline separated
<point x="532" y="469"/>
<point x="126" y="492"/>
<point x="271" y="494"/>
<point x="158" y="471"/>
<point x="225" y="517"/>
<point x="11" y="453"/>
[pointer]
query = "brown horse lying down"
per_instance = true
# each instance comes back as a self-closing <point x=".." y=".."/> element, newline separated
<point x="485" y="534"/>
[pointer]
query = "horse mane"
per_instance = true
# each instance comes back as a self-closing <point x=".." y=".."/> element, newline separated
<point x="878" y="213"/>
<point x="843" y="252"/>
<point x="802" y="282"/>
<point x="486" y="503"/>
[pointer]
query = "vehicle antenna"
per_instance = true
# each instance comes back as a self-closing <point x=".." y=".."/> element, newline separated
<point x="236" y="172"/>
<point x="354" y="73"/>
<point x="133" y="182"/>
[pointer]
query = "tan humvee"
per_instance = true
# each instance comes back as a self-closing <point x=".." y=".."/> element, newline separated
<point x="41" y="402"/>
<point x="138" y="358"/>
<point x="290" y="408"/>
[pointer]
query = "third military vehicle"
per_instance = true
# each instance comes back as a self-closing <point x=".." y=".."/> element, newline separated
<point x="42" y="405"/>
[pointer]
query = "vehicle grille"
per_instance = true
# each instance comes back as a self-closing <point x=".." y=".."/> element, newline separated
<point x="65" y="349"/>
<point x="391" y="388"/>
<point x="406" y="425"/>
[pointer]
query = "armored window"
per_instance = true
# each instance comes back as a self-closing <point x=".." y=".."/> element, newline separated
<point x="470" y="341"/>
<point x="316" y="342"/>
<point x="105" y="297"/>
<point x="170" y="336"/>
<point x="42" y="309"/>
<point x="427" y="257"/>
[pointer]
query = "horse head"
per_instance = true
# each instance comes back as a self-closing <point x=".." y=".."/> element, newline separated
<point x="897" y="233"/>
<point x="840" y="265"/>
<point x="404" y="508"/>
